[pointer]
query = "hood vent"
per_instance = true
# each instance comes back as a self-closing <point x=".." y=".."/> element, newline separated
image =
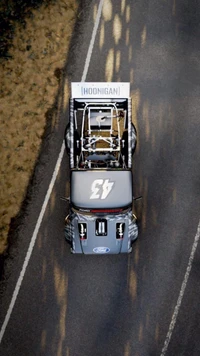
<point x="82" y="227"/>
<point x="120" y="227"/>
<point x="101" y="227"/>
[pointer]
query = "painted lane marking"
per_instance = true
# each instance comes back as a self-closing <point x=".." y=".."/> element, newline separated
<point x="50" y="188"/>
<point x="32" y="243"/>
<point x="181" y="294"/>
<point x="90" y="49"/>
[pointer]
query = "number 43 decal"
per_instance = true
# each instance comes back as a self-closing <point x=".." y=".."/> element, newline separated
<point x="101" y="188"/>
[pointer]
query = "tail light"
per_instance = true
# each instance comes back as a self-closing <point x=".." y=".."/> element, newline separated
<point x="120" y="231"/>
<point x="82" y="228"/>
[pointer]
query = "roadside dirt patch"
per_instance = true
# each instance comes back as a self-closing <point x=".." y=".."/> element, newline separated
<point x="30" y="71"/>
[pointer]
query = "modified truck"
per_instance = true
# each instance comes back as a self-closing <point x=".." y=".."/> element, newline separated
<point x="100" y="140"/>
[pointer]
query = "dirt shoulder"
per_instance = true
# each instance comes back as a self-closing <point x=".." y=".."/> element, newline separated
<point x="34" y="53"/>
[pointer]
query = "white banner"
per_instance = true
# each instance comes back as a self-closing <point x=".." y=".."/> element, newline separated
<point x="100" y="90"/>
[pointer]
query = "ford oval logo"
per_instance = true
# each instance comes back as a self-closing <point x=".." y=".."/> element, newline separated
<point x="101" y="249"/>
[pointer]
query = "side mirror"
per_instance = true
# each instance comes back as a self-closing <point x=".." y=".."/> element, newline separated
<point x="138" y="198"/>
<point x="65" y="199"/>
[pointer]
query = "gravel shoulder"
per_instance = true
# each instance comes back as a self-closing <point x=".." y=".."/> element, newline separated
<point x="33" y="55"/>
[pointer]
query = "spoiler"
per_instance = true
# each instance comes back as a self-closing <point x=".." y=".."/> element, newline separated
<point x="103" y="90"/>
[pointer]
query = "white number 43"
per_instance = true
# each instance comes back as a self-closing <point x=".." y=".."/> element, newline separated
<point x="101" y="188"/>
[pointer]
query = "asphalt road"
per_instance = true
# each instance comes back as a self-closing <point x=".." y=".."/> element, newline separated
<point x="122" y="305"/>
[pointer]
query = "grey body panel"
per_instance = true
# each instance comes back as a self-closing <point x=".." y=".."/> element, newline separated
<point x="87" y="188"/>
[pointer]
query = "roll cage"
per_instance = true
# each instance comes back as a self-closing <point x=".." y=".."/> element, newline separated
<point x="100" y="132"/>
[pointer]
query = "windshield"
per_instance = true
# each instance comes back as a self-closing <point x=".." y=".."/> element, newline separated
<point x="101" y="189"/>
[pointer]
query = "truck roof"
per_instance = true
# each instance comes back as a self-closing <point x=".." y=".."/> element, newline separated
<point x="101" y="188"/>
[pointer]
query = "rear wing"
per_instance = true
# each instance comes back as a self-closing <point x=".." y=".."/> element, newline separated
<point x="102" y="90"/>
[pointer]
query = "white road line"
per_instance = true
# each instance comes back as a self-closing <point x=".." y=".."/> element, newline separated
<point x="32" y="243"/>
<point x="51" y="185"/>
<point x="89" y="54"/>
<point x="182" y="291"/>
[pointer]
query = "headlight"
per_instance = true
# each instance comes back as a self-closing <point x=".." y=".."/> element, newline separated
<point x="82" y="228"/>
<point x="120" y="231"/>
